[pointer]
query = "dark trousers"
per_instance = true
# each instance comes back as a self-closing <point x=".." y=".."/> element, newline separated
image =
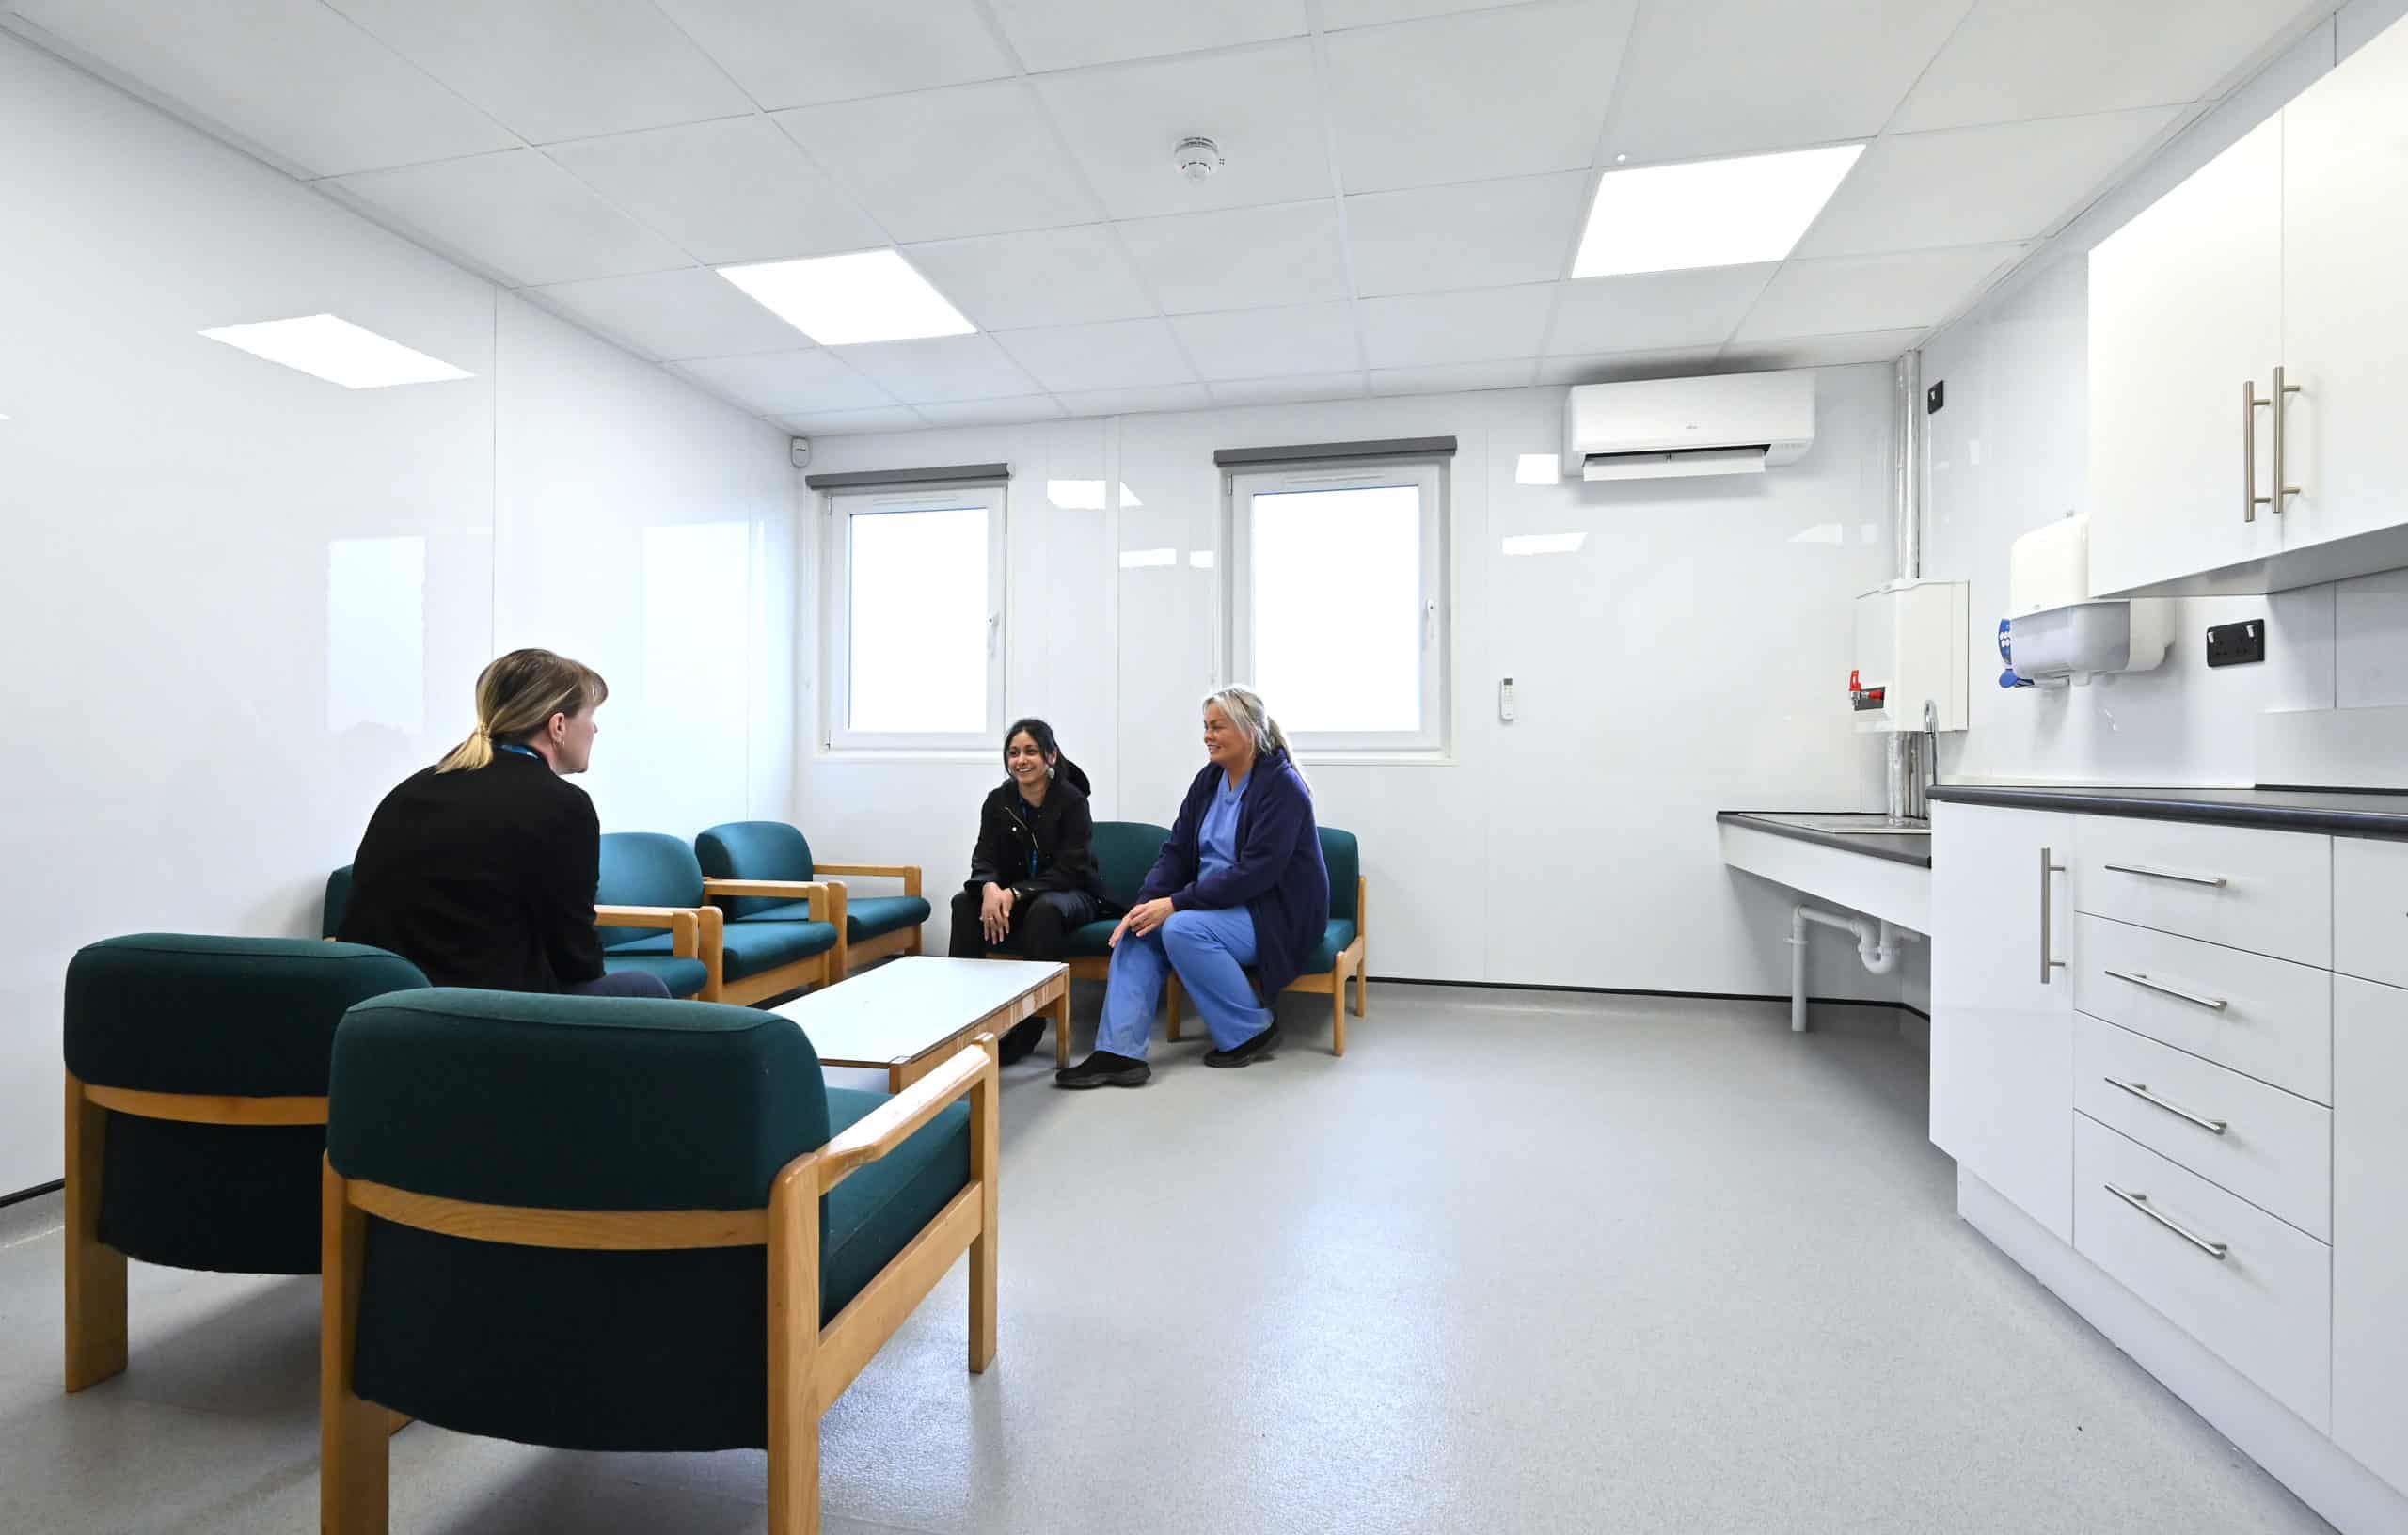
<point x="1038" y="925"/>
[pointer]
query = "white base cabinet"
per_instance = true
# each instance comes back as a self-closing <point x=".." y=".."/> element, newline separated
<point x="2145" y="1045"/>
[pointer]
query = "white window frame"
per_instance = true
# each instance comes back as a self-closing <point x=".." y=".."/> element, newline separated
<point x="1428" y="475"/>
<point x="836" y="547"/>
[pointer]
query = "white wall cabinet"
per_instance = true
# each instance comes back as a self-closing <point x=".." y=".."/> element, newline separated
<point x="2284" y="251"/>
<point x="2186" y="306"/>
<point x="2345" y="316"/>
<point x="2001" y="1004"/>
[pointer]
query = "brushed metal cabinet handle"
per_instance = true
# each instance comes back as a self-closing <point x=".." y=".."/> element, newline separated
<point x="2140" y="1090"/>
<point x="2281" y="487"/>
<point x="2214" y="1005"/>
<point x="2047" y="868"/>
<point x="2140" y="1202"/>
<point x="2216" y="880"/>
<point x="2251" y="403"/>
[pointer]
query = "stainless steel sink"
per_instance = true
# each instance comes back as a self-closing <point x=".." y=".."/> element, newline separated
<point x="1866" y="824"/>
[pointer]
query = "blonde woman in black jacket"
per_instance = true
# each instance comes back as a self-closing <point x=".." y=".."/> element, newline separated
<point x="1033" y="877"/>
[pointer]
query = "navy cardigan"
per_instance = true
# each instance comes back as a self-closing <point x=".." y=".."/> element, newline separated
<point x="1279" y="877"/>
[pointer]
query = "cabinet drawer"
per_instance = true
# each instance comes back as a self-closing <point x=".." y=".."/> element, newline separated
<point x="2243" y="887"/>
<point x="2370" y="1236"/>
<point x="2275" y="1149"/>
<point x="2265" y="1306"/>
<point x="2371" y="909"/>
<point x="2275" y="1018"/>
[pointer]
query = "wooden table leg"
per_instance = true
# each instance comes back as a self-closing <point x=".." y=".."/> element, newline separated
<point x="1060" y="1006"/>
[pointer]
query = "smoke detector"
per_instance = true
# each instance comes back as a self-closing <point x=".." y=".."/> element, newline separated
<point x="1197" y="158"/>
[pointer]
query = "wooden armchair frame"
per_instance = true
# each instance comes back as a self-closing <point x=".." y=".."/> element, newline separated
<point x="95" y="1272"/>
<point x="826" y="899"/>
<point x="1350" y="962"/>
<point x="902" y="941"/>
<point x="693" y="934"/>
<point x="810" y="1366"/>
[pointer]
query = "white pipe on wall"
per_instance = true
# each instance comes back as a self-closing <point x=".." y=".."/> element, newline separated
<point x="1878" y="944"/>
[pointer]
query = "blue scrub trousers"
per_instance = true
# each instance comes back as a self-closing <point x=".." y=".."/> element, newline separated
<point x="1209" y="950"/>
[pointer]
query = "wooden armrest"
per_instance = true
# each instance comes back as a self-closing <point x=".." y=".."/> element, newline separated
<point x="892" y="1123"/>
<point x="907" y="873"/>
<point x="643" y="916"/>
<point x="796" y="890"/>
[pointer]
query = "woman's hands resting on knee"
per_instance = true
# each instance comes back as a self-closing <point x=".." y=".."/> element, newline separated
<point x="1143" y="918"/>
<point x="995" y="912"/>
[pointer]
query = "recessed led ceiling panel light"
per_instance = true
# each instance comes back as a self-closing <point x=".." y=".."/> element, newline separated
<point x="1708" y="213"/>
<point x="329" y="347"/>
<point x="870" y="295"/>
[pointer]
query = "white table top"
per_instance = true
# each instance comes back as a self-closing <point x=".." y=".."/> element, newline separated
<point x="906" y="1008"/>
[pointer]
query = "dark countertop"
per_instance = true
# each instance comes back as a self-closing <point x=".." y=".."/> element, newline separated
<point x="1899" y="847"/>
<point x="2339" y="813"/>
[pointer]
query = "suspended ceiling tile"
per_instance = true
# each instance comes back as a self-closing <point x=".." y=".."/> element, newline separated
<point x="735" y="190"/>
<point x="1244" y="258"/>
<point x="551" y="70"/>
<point x="941" y="164"/>
<point x="1849" y="293"/>
<point x="689" y="312"/>
<point x="1475" y="234"/>
<point x="1654" y="311"/>
<point x="1061" y="33"/>
<point x="515" y="213"/>
<point x="1260" y="344"/>
<point x="1486" y="94"/>
<point x="1261" y="106"/>
<point x="1718" y="77"/>
<point x="1476" y="325"/>
<point x="785" y="54"/>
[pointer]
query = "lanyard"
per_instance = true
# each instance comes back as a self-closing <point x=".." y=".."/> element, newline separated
<point x="522" y="750"/>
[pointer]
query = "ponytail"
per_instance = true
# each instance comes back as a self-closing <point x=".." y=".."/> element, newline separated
<point x="516" y="697"/>
<point x="1247" y="710"/>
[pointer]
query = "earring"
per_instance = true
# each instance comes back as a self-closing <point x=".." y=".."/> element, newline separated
<point x="1048" y="772"/>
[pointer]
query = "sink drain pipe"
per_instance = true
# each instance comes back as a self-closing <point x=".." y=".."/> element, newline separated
<point x="1878" y="944"/>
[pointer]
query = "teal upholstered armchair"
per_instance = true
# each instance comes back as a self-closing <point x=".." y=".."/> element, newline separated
<point x="196" y="1111"/>
<point x="677" y="943"/>
<point x="1342" y="952"/>
<point x="620" y="1225"/>
<point x="874" y="926"/>
<point x="1124" y="852"/>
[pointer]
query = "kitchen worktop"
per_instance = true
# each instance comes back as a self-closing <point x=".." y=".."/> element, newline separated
<point x="2338" y="814"/>
<point x="1823" y="827"/>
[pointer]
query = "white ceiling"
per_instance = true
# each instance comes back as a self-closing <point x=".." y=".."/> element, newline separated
<point x="1405" y="179"/>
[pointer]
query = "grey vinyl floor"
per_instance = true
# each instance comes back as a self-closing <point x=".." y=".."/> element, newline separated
<point x="1520" y="1263"/>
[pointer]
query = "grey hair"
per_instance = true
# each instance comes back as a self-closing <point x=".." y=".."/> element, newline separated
<point x="1245" y="709"/>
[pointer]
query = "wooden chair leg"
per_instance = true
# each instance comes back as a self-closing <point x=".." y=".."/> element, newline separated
<point x="95" y="1273"/>
<point x="794" y="1351"/>
<point x="1170" y="1003"/>
<point x="1338" y="1009"/>
<point x="1362" y="982"/>
<point x="985" y="1160"/>
<point x="355" y="1449"/>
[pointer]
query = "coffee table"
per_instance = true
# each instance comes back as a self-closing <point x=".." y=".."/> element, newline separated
<point x="908" y="1015"/>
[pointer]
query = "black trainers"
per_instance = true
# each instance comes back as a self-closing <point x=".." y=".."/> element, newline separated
<point x="1247" y="1051"/>
<point x="1104" y="1069"/>
<point x="1019" y="1040"/>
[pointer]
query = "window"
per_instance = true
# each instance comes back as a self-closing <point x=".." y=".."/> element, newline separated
<point x="914" y="600"/>
<point x="1338" y="609"/>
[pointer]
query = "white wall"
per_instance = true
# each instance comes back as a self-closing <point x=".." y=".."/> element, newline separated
<point x="2009" y="452"/>
<point x="1691" y="656"/>
<point x="240" y="603"/>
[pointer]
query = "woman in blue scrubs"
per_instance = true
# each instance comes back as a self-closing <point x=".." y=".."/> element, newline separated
<point x="1240" y="883"/>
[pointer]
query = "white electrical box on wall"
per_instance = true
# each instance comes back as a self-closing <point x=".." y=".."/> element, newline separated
<point x="1910" y="650"/>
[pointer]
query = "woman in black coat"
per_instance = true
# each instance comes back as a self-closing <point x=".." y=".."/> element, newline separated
<point x="1033" y="877"/>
